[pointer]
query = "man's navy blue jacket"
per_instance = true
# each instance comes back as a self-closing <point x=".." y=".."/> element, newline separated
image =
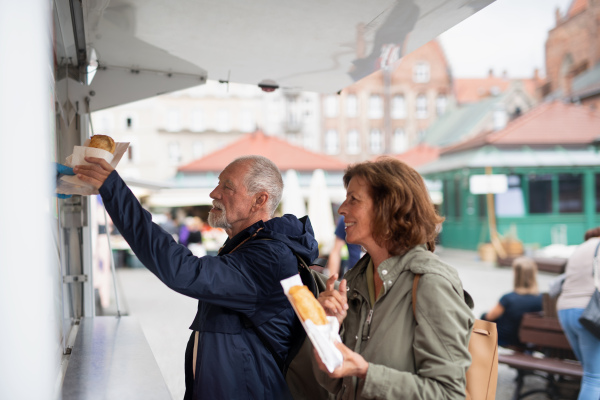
<point x="232" y="361"/>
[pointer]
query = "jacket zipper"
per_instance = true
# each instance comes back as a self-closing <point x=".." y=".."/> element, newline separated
<point x="369" y="319"/>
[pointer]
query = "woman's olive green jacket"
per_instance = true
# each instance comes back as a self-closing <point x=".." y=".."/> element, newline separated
<point x="422" y="358"/>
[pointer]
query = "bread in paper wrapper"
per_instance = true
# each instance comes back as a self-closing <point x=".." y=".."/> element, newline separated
<point x="73" y="185"/>
<point x="320" y="329"/>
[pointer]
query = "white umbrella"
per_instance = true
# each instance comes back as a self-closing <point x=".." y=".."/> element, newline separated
<point x="292" y="201"/>
<point x="320" y="212"/>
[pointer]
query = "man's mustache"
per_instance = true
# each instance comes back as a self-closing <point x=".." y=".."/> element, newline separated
<point x="219" y="205"/>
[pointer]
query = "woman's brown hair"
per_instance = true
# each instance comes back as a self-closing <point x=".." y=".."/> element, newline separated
<point x="403" y="214"/>
<point x="525" y="274"/>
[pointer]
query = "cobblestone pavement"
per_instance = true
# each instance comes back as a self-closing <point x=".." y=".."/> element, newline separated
<point x="165" y="315"/>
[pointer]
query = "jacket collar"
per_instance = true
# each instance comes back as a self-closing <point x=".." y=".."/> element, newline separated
<point x="389" y="270"/>
<point x="231" y="243"/>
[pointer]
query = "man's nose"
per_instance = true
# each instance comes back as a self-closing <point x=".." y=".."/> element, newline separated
<point x="214" y="194"/>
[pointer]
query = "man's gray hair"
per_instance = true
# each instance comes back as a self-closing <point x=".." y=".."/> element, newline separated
<point x="263" y="176"/>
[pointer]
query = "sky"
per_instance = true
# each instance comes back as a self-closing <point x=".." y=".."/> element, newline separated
<point x="507" y="35"/>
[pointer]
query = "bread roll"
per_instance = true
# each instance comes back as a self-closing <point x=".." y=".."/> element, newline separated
<point x="307" y="306"/>
<point x="103" y="142"/>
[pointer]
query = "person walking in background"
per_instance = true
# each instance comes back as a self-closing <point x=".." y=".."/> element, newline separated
<point x="524" y="298"/>
<point x="194" y="242"/>
<point x="576" y="292"/>
<point x="389" y="352"/>
<point x="335" y="264"/>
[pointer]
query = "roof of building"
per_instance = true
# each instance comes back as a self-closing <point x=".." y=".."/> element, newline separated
<point x="553" y="123"/>
<point x="576" y="7"/>
<point x="459" y="123"/>
<point x="472" y="90"/>
<point x="283" y="154"/>
<point x="419" y="155"/>
<point x="525" y="156"/>
<point x="587" y="83"/>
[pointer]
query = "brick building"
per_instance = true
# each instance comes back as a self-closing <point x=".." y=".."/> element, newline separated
<point x="388" y="111"/>
<point x="573" y="54"/>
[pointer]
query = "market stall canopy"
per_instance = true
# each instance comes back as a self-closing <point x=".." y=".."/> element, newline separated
<point x="145" y="47"/>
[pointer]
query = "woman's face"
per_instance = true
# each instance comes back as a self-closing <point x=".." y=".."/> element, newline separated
<point x="357" y="210"/>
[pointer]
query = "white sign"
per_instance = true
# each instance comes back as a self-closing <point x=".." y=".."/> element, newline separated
<point x="482" y="184"/>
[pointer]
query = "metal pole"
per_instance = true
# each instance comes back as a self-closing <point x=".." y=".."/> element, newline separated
<point x="112" y="262"/>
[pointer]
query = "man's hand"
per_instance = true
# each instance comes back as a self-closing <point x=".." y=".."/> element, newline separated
<point x="335" y="302"/>
<point x="354" y="364"/>
<point x="94" y="174"/>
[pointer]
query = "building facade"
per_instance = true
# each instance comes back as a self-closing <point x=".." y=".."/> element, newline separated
<point x="573" y="53"/>
<point x="174" y="129"/>
<point x="388" y="111"/>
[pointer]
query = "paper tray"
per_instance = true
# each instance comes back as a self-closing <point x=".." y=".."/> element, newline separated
<point x="70" y="184"/>
<point x="323" y="337"/>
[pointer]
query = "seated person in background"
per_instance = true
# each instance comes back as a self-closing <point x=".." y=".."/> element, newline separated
<point x="524" y="298"/>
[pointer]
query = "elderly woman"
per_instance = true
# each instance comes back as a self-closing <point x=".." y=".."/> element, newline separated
<point x="390" y="353"/>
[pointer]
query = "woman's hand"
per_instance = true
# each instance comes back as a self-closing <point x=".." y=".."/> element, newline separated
<point x="335" y="302"/>
<point x="94" y="174"/>
<point x="354" y="364"/>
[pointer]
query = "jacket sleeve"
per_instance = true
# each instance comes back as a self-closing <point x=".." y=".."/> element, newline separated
<point x="440" y="347"/>
<point x="218" y="280"/>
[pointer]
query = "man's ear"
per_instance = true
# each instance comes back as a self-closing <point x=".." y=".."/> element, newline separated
<point x="260" y="201"/>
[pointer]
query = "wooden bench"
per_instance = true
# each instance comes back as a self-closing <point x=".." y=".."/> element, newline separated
<point x="548" y="355"/>
<point x="555" y="265"/>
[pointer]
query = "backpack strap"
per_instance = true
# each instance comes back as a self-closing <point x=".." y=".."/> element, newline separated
<point x="414" y="294"/>
<point x="308" y="279"/>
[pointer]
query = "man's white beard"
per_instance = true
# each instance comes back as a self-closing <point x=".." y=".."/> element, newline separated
<point x="219" y="221"/>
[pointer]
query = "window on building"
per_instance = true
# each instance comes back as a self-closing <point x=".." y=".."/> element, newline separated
<point x="376" y="141"/>
<point x="332" y="142"/>
<point x="375" y="106"/>
<point x="570" y="193"/>
<point x="353" y="142"/>
<point x="441" y="102"/>
<point x="351" y="106"/>
<point x="398" y="107"/>
<point x="174" y="153"/>
<point x="293" y="114"/>
<point x="104" y="124"/>
<point x="457" y="198"/>
<point x="445" y="197"/>
<point x="173" y="121"/>
<point x="197" y="150"/>
<point x="482" y="206"/>
<point x="198" y="123"/>
<point x="223" y="121"/>
<point x="130" y="153"/>
<point x="500" y="118"/>
<point x="421" y="73"/>
<point x="129" y="122"/>
<point x="331" y="106"/>
<point x="421" y="106"/>
<point x="247" y="121"/>
<point x="310" y="141"/>
<point x="540" y="194"/>
<point x="512" y="202"/>
<point x="399" y="141"/>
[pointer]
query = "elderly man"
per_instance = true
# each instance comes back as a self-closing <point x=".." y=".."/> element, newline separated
<point x="244" y="325"/>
